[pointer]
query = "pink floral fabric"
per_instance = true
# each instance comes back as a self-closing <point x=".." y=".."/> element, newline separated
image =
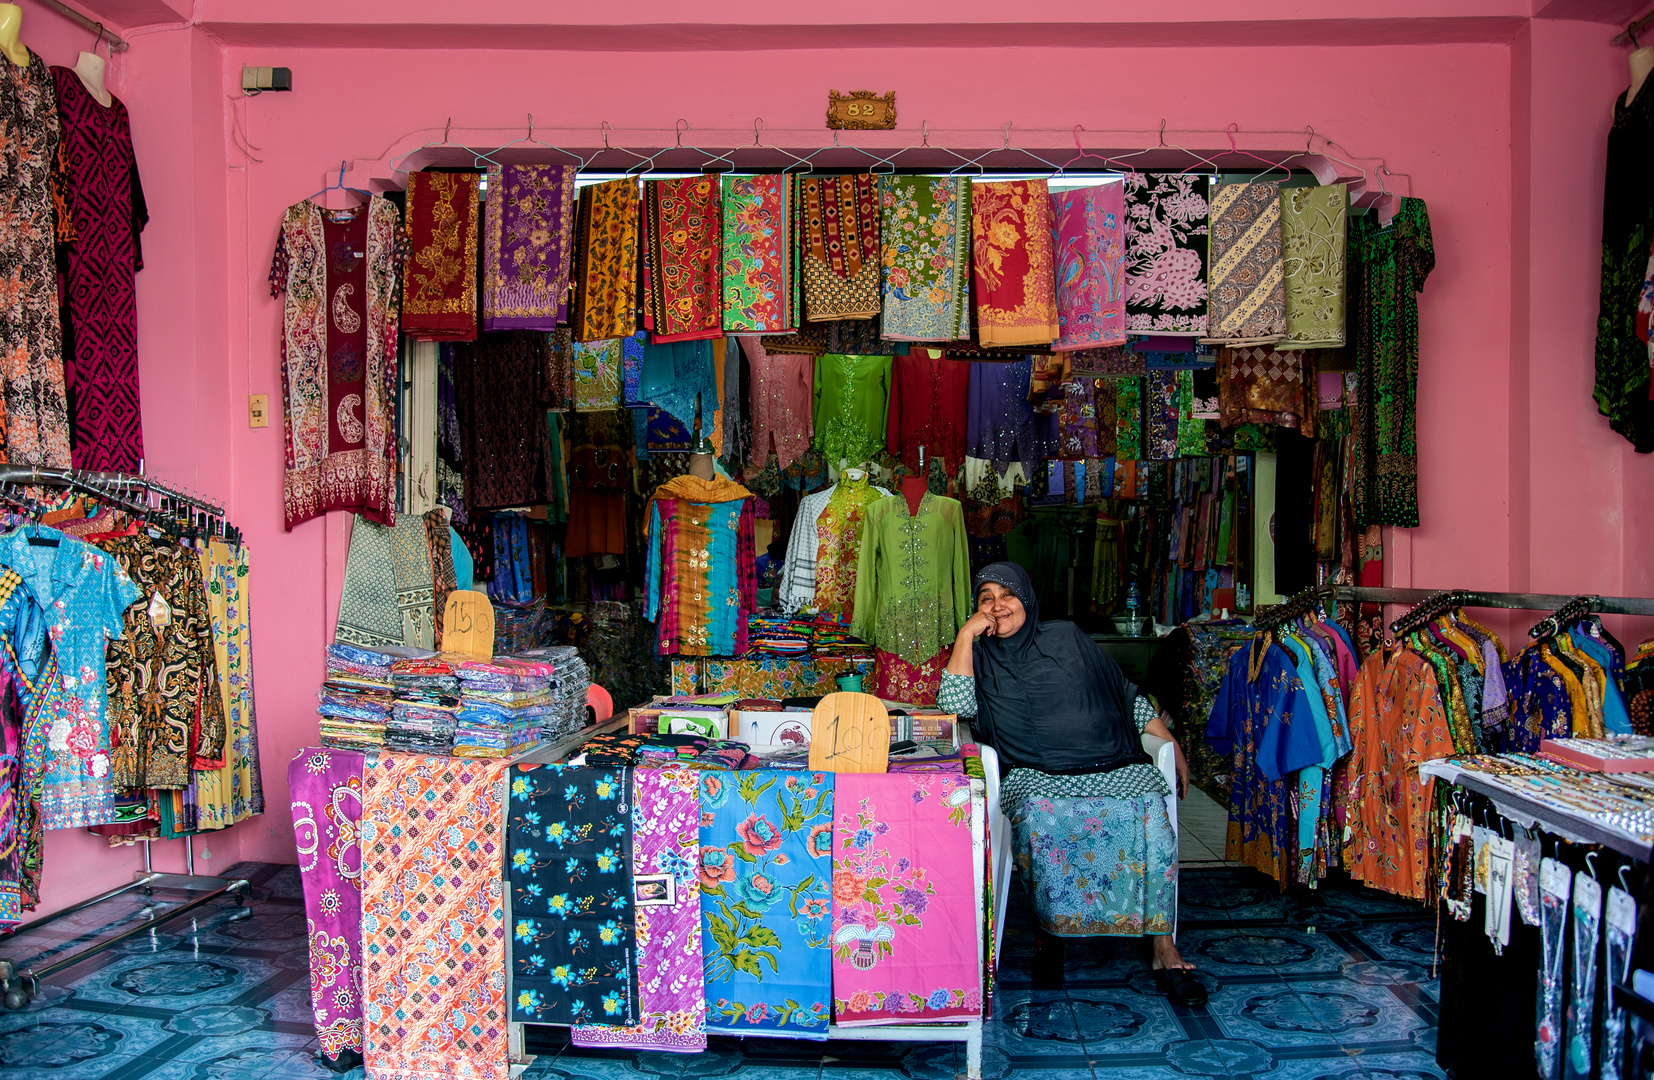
<point x="326" y="790"/>
<point x="1166" y="246"/>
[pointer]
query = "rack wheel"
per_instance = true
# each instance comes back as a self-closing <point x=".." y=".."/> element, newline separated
<point x="16" y="998"/>
<point x="32" y="988"/>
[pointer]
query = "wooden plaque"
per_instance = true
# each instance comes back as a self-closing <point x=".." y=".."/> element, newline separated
<point x="468" y="624"/>
<point x="850" y="733"/>
<point x="861" y="110"/>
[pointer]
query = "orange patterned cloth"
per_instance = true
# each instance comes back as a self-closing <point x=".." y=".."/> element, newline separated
<point x="838" y="536"/>
<point x="1014" y="258"/>
<point x="433" y="925"/>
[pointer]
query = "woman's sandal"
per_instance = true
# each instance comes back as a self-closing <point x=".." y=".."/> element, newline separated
<point x="1180" y="985"/>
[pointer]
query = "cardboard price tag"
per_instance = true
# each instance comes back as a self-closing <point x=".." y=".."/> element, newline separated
<point x="468" y="624"/>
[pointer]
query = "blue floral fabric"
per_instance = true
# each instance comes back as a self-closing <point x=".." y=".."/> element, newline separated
<point x="766" y="911"/>
<point x="1098" y="867"/>
<point x="572" y="905"/>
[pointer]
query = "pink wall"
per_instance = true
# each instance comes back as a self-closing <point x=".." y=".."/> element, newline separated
<point x="1498" y="117"/>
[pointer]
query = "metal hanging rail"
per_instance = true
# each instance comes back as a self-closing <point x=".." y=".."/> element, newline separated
<point x="1601" y="605"/>
<point x="116" y="44"/>
<point x="99" y="483"/>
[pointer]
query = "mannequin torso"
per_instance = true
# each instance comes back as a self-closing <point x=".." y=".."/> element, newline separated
<point x="11" y="34"/>
<point x="913" y="490"/>
<point x="90" y="68"/>
<point x="1641" y="62"/>
<point x="700" y="465"/>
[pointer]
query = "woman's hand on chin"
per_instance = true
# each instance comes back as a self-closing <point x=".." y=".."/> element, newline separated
<point x="980" y="624"/>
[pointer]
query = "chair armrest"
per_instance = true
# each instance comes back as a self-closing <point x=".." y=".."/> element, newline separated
<point x="1163" y="752"/>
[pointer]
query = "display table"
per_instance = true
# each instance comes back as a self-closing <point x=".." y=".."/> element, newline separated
<point x="1513" y="802"/>
<point x="760" y="676"/>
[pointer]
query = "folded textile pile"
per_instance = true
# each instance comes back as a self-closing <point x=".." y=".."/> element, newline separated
<point x="427" y="697"/>
<point x="830" y="636"/>
<point x="609" y="749"/>
<point x="570" y="680"/>
<point x="691" y="752"/>
<point x="778" y="636"/>
<point x="356" y="698"/>
<point x="504" y="703"/>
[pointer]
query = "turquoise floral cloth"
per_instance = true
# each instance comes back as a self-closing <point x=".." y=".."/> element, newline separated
<point x="1098" y="867"/>
<point x="572" y="907"/>
<point x="766" y="868"/>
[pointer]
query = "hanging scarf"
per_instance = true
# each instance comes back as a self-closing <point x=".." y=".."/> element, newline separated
<point x="758" y="272"/>
<point x="841" y="250"/>
<point x="925" y="238"/>
<point x="683" y="235"/>
<point x="1248" y="302"/>
<point x="1016" y="295"/>
<point x="1166" y="253"/>
<point x="1262" y="385"/>
<point x="1090" y="231"/>
<point x="605" y="261"/>
<point x="1128" y="419"/>
<point x="1048" y="696"/>
<point x="439" y="288"/>
<point x="674" y="378"/>
<point x="1313" y="243"/>
<point x="529" y="223"/>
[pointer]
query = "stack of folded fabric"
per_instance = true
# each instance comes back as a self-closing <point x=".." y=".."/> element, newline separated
<point x="692" y="752"/>
<point x="503" y="704"/>
<point x="356" y="698"/>
<point x="427" y="697"/>
<point x="830" y="636"/>
<point x="778" y="636"/>
<point x="569" y="682"/>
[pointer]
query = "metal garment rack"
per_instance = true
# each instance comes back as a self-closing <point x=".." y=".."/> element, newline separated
<point x="104" y="34"/>
<point x="20" y="985"/>
<point x="1370" y="594"/>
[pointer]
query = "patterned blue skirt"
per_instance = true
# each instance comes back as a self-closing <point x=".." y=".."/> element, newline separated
<point x="1098" y="866"/>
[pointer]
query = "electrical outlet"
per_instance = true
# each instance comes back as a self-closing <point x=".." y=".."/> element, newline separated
<point x="258" y="410"/>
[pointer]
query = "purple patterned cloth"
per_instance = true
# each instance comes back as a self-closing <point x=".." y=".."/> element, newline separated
<point x="526" y="237"/>
<point x="1001" y="426"/>
<point x="326" y="791"/>
<point x="1160" y="415"/>
<point x="666" y="837"/>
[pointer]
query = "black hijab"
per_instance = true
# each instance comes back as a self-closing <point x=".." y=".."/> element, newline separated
<point x="1047" y="696"/>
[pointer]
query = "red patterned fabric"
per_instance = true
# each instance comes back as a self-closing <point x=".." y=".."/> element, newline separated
<point x="439" y="297"/>
<point x="684" y="229"/>
<point x="894" y="679"/>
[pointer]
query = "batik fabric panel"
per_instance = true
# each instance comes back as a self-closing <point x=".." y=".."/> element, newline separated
<point x="1096" y="866"/>
<point x="529" y="223"/>
<point x="841" y="247"/>
<point x="1160" y="416"/>
<point x="325" y="787"/>
<point x="34" y="428"/>
<point x="338" y="271"/>
<point x="1166" y="245"/>
<point x="765" y="871"/>
<point x="1016" y="292"/>
<point x="838" y="535"/>
<point x="433" y="924"/>
<point x="1258" y="384"/>
<point x="1089" y="228"/>
<point x="898" y="679"/>
<point x="100" y="303"/>
<point x="597" y="375"/>
<point x="1078" y="419"/>
<point x="684" y="248"/>
<point x="1313" y="244"/>
<point x="570" y="869"/>
<point x="605" y="263"/>
<point x="1128" y="419"/>
<point x="1191" y="433"/>
<point x="666" y="816"/>
<point x="439" y="289"/>
<point x="924" y="237"/>
<point x="758" y="270"/>
<point x="904" y="919"/>
<point x="1248" y="298"/>
<point x="235" y="791"/>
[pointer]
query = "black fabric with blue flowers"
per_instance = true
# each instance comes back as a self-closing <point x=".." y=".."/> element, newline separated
<point x="572" y="907"/>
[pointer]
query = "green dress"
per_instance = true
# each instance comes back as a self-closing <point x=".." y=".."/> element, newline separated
<point x="1627" y="232"/>
<point x="913" y="577"/>
<point x="851" y="396"/>
<point x="1388" y="266"/>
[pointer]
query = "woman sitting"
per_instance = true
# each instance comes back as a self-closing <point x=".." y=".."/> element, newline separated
<point x="1093" y="840"/>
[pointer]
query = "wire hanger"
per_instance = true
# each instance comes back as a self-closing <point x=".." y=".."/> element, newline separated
<point x="1309" y="140"/>
<point x="396" y="165"/>
<point x="1209" y="162"/>
<point x="758" y="143"/>
<point x="339" y="186"/>
<point x="1233" y="149"/>
<point x="488" y="156"/>
<point x="1084" y="153"/>
<point x="603" y="129"/>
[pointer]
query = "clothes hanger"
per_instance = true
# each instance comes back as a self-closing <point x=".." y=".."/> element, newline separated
<point x="340" y="186"/>
<point x="604" y="129"/>
<point x="1309" y="139"/>
<point x="981" y="169"/>
<point x="396" y="165"/>
<point x="758" y="143"/>
<point x="1084" y="153"/>
<point x="1272" y="165"/>
<point x="487" y="156"/>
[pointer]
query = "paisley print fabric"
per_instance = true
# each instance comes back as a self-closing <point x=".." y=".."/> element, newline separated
<point x="570" y="868"/>
<point x="1089" y="225"/>
<point x="765" y="871"/>
<point x="1016" y="293"/>
<point x="605" y="262"/>
<point x="924" y="237"/>
<point x="528" y="228"/>
<point x="841" y="247"/>
<point x="1166" y="246"/>
<point x="904" y="924"/>
<point x="432" y="830"/>
<point x="758" y="270"/>
<point x="326" y="791"/>
<point x="666" y="814"/>
<point x="439" y="291"/>
<point x="684" y="239"/>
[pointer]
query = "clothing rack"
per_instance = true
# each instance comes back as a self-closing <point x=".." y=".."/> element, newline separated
<point x="116" y="44"/>
<point x="115" y="488"/>
<point x="20" y="985"/>
<point x="1300" y="603"/>
<point x="1601" y="605"/>
<point x="1425" y="610"/>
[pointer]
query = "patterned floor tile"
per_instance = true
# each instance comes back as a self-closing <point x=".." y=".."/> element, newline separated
<point x="1111" y="1022"/>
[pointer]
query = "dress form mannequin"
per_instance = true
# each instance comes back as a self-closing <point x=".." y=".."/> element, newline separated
<point x="1642" y="62"/>
<point x="700" y="465"/>
<point x="90" y="66"/>
<point x="11" y="34"/>
<point x="914" y="487"/>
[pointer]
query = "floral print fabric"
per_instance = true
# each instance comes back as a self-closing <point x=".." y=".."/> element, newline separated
<point x="529" y="222"/>
<point x="684" y="243"/>
<point x="1313" y="244"/>
<point x="904" y="925"/>
<point x="1089" y="225"/>
<point x="666" y="814"/>
<point x="597" y="373"/>
<point x="605" y="267"/>
<point x="924" y="235"/>
<point x="326" y="791"/>
<point x="758" y="270"/>
<point x="1098" y="866"/>
<point x="765" y="871"/>
<point x="439" y="291"/>
<point x="1016" y="293"/>
<point x="432" y="830"/>
<point x="570" y="869"/>
<point x="235" y="791"/>
<point x="1166" y="253"/>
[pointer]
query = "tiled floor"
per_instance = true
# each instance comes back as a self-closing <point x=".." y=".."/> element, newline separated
<point x="1202" y="827"/>
<point x="1337" y="987"/>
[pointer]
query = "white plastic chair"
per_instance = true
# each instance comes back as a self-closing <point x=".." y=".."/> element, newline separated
<point x="1160" y="751"/>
